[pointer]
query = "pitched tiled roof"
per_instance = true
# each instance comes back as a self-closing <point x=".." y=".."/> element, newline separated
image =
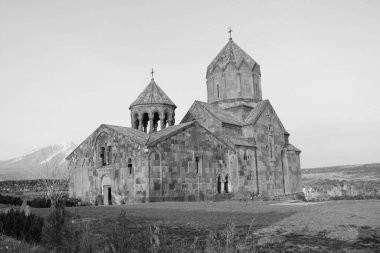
<point x="152" y="94"/>
<point x="254" y="115"/>
<point x="167" y="132"/>
<point x="230" y="53"/>
<point x="136" y="135"/>
<point x="221" y="114"/>
<point x="153" y="138"/>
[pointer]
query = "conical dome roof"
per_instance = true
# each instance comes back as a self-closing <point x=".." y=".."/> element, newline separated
<point x="230" y="53"/>
<point x="152" y="94"/>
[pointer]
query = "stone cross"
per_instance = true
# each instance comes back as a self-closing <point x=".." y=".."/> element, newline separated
<point x="152" y="73"/>
<point x="230" y="31"/>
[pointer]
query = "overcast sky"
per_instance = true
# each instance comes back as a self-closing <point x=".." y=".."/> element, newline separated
<point x="68" y="66"/>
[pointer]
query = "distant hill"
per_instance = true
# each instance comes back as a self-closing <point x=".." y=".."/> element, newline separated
<point x="361" y="172"/>
<point x="32" y="165"/>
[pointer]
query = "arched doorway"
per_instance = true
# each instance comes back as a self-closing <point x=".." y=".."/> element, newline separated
<point x="219" y="184"/>
<point x="106" y="190"/>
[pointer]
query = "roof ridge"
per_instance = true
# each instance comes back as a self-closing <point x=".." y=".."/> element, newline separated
<point x="221" y="110"/>
<point x="259" y="106"/>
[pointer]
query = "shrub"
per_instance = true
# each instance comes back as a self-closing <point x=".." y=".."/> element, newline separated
<point x="54" y="229"/>
<point x="46" y="203"/>
<point x="37" y="202"/>
<point x="40" y="203"/>
<point x="70" y="202"/>
<point x="9" y="200"/>
<point x="20" y="226"/>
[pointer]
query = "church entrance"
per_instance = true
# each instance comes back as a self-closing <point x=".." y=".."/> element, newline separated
<point x="107" y="191"/>
<point x="107" y="195"/>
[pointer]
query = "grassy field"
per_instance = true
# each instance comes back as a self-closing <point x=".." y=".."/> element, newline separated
<point x="332" y="226"/>
<point x="321" y="227"/>
<point x="342" y="182"/>
<point x="363" y="172"/>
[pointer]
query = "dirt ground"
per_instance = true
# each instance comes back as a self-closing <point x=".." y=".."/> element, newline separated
<point x="333" y="226"/>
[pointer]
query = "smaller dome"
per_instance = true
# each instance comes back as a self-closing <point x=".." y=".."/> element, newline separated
<point x="153" y="94"/>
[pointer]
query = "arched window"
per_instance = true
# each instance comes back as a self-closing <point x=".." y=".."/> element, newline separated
<point x="130" y="166"/>
<point x="197" y="164"/>
<point x="104" y="150"/>
<point x="217" y="90"/>
<point x="156" y="119"/>
<point x="109" y="155"/>
<point x="226" y="190"/>
<point x="166" y="119"/>
<point x="103" y="156"/>
<point x="136" y="123"/>
<point x="145" y="121"/>
<point x="219" y="184"/>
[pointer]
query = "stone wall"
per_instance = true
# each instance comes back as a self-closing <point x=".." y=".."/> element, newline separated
<point x="232" y="83"/>
<point x="247" y="173"/>
<point x="87" y="172"/>
<point x="292" y="172"/>
<point x="173" y="170"/>
<point x="201" y="115"/>
<point x="269" y="135"/>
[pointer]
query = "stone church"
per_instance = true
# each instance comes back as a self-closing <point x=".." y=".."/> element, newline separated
<point x="232" y="146"/>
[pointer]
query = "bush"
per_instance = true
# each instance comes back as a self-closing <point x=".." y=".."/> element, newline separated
<point x="54" y="229"/>
<point x="20" y="226"/>
<point x="70" y="202"/>
<point x="9" y="200"/>
<point x="46" y="203"/>
<point x="37" y="202"/>
<point x="40" y="203"/>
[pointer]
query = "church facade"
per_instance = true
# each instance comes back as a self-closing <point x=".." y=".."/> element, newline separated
<point x="233" y="145"/>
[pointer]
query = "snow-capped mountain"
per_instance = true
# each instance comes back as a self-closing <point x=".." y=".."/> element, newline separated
<point x="32" y="165"/>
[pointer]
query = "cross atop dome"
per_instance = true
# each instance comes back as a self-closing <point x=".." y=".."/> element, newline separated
<point x="152" y="72"/>
<point x="230" y="32"/>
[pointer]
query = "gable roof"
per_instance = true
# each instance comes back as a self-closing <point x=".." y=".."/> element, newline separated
<point x="149" y="140"/>
<point x="219" y="113"/>
<point x="167" y="132"/>
<point x="152" y="94"/>
<point x="254" y="115"/>
<point x="231" y="53"/>
<point x="136" y="135"/>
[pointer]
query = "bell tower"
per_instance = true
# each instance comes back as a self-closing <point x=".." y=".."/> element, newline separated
<point x="153" y="110"/>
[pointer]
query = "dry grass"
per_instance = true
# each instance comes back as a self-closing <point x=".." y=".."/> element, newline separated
<point x="229" y="226"/>
<point x="363" y="172"/>
<point x="196" y="219"/>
